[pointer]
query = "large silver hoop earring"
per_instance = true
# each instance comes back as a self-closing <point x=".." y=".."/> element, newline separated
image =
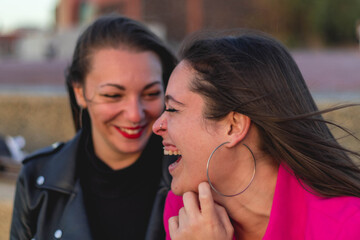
<point x="208" y="176"/>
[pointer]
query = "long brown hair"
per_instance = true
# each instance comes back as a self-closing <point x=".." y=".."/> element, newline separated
<point x="255" y="75"/>
<point x="112" y="31"/>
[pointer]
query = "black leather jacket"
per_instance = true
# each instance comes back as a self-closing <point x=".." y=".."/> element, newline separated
<point x="49" y="203"/>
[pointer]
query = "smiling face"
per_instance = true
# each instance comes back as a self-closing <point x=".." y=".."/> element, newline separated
<point x="184" y="129"/>
<point x="124" y="96"/>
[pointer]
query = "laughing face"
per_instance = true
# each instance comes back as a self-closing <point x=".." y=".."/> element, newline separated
<point x="123" y="93"/>
<point x="185" y="131"/>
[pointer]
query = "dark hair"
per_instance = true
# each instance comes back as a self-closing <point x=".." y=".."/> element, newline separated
<point x="253" y="74"/>
<point x="112" y="31"/>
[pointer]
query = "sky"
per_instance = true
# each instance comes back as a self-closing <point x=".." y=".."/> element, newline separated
<point x="30" y="13"/>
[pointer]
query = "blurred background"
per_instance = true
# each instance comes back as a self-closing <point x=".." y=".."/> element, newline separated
<point x="37" y="39"/>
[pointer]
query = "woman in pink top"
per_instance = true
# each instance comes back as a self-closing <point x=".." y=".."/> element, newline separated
<point x="256" y="158"/>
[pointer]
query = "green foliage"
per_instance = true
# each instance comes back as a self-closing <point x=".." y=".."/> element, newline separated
<point x="329" y="22"/>
<point x="341" y="20"/>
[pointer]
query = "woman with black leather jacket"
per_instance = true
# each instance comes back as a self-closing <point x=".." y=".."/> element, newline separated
<point x="109" y="181"/>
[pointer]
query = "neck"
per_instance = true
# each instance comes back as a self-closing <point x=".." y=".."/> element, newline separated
<point x="114" y="159"/>
<point x="120" y="161"/>
<point x="250" y="211"/>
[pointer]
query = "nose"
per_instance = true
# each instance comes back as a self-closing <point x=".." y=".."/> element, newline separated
<point x="135" y="111"/>
<point x="160" y="125"/>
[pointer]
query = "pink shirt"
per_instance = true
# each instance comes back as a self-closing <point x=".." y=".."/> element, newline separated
<point x="298" y="214"/>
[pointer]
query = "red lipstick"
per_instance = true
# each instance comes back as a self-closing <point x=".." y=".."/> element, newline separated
<point x="131" y="132"/>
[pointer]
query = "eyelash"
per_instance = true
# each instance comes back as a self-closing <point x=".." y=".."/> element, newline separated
<point x="112" y="96"/>
<point x="171" y="110"/>
<point x="154" y="94"/>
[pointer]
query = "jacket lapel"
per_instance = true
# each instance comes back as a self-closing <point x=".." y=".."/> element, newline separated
<point x="60" y="177"/>
<point x="73" y="222"/>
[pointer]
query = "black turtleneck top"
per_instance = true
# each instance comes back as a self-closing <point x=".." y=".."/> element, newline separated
<point x="119" y="202"/>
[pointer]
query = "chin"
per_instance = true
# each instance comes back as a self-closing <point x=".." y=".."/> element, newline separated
<point x="179" y="189"/>
<point x="176" y="190"/>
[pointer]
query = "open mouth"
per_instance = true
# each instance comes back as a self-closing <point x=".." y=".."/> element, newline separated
<point x="171" y="151"/>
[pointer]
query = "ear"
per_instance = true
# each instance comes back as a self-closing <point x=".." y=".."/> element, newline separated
<point x="79" y="94"/>
<point x="238" y="127"/>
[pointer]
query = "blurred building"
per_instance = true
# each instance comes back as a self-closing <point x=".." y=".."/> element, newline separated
<point x="178" y="18"/>
<point x="293" y="22"/>
<point x="169" y="14"/>
<point x="8" y="43"/>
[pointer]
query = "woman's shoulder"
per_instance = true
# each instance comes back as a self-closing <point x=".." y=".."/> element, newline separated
<point x="338" y="209"/>
<point x="44" y="152"/>
<point x="52" y="167"/>
<point x="35" y="164"/>
<point x="36" y="159"/>
<point x="335" y="209"/>
<point x="50" y="157"/>
<point x="49" y="152"/>
<point x="334" y="218"/>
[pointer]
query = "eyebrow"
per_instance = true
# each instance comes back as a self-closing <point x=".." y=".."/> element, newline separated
<point x="123" y="88"/>
<point x="171" y="98"/>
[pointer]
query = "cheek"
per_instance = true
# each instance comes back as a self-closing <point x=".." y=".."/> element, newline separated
<point x="99" y="113"/>
<point x="198" y="148"/>
<point x="155" y="109"/>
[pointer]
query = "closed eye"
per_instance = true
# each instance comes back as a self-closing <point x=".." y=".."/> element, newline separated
<point x="152" y="95"/>
<point x="171" y="110"/>
<point x="112" y="95"/>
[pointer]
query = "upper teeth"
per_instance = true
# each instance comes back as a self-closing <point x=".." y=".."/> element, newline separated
<point x="169" y="152"/>
<point x="130" y="131"/>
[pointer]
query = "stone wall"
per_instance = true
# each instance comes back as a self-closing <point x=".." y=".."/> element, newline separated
<point x="41" y="120"/>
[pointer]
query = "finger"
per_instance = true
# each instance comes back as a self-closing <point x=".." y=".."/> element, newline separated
<point x="224" y="218"/>
<point x="207" y="204"/>
<point x="191" y="204"/>
<point x="173" y="225"/>
<point x="182" y="218"/>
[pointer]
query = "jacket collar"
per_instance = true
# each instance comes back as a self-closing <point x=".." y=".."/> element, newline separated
<point x="59" y="171"/>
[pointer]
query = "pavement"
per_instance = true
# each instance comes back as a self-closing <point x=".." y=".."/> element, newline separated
<point x="334" y="70"/>
<point x="331" y="74"/>
<point x="33" y="77"/>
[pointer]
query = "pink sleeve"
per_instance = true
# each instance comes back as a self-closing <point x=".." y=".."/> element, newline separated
<point x="173" y="204"/>
<point x="350" y="230"/>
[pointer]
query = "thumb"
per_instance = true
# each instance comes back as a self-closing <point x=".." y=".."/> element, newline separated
<point x="173" y="226"/>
